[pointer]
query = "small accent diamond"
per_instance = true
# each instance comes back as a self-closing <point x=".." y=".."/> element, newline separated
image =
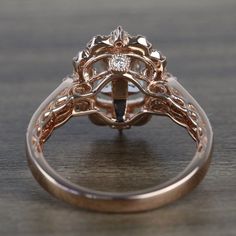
<point x="119" y="62"/>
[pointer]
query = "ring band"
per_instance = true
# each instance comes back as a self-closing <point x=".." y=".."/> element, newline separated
<point x="120" y="81"/>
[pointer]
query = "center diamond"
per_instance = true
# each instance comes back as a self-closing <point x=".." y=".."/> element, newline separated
<point x="119" y="62"/>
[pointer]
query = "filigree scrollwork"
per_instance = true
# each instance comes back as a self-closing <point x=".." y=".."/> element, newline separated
<point x="174" y="105"/>
<point x="117" y="78"/>
<point x="81" y="89"/>
<point x="57" y="112"/>
<point x="101" y="48"/>
<point x="69" y="102"/>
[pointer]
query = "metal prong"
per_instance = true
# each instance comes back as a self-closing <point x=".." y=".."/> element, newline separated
<point x="120" y="107"/>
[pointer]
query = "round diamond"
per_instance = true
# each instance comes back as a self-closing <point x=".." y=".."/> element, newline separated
<point x="119" y="62"/>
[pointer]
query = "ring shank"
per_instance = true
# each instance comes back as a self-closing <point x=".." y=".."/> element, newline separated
<point x="61" y="101"/>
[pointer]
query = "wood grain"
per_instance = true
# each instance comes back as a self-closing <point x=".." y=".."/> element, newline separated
<point x="38" y="40"/>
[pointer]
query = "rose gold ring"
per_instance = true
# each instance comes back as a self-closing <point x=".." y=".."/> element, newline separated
<point x="119" y="80"/>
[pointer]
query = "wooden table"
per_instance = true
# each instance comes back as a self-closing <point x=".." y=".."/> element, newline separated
<point x="38" y="40"/>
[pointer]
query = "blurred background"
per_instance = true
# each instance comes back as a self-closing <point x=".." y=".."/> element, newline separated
<point x="38" y="40"/>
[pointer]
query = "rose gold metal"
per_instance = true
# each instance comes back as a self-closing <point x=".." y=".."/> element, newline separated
<point x="120" y="81"/>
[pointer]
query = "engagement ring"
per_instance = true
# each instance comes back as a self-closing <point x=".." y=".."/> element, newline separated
<point x="119" y="81"/>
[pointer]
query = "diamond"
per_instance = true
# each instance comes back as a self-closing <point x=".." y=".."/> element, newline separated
<point x="119" y="62"/>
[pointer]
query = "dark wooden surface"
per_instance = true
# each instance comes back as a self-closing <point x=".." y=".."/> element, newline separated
<point x="38" y="40"/>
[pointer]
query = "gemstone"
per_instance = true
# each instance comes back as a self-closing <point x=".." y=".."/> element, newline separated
<point x="155" y="54"/>
<point x="119" y="62"/>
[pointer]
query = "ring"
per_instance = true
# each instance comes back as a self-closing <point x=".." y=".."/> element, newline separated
<point x="119" y="81"/>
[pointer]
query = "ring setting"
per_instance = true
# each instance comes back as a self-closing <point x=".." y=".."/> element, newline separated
<point x="119" y="80"/>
